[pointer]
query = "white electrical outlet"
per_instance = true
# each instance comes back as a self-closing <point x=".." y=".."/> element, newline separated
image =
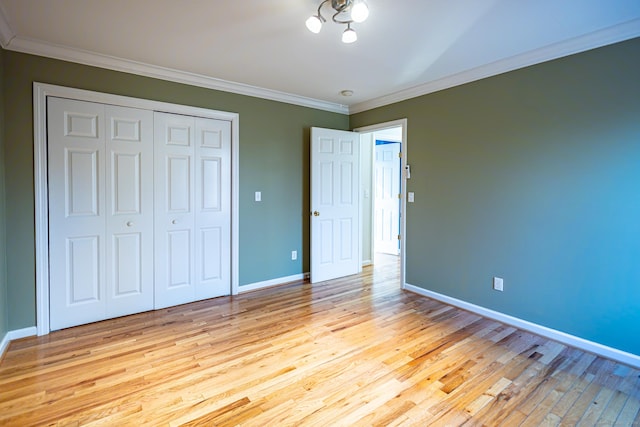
<point x="498" y="284"/>
<point x="294" y="255"/>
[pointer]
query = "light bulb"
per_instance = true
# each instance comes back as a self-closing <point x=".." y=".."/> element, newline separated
<point x="314" y="24"/>
<point x="359" y="11"/>
<point x="349" y="36"/>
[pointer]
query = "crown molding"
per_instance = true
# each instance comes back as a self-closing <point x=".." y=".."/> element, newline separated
<point x="607" y="36"/>
<point x="6" y="33"/>
<point x="614" y="34"/>
<point x="65" y="53"/>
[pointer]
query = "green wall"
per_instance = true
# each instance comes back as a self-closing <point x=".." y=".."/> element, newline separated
<point x="274" y="158"/>
<point x="4" y="314"/>
<point x="533" y="176"/>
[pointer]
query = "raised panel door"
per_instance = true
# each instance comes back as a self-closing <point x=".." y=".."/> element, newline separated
<point x="174" y="209"/>
<point x="213" y="208"/>
<point x="335" y="209"/>
<point x="77" y="215"/>
<point x="140" y="210"/>
<point x="129" y="231"/>
<point x="387" y="202"/>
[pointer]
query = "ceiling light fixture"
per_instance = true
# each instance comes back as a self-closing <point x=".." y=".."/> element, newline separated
<point x="346" y="12"/>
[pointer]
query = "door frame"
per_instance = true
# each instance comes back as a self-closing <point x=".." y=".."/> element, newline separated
<point x="402" y="123"/>
<point x="40" y="93"/>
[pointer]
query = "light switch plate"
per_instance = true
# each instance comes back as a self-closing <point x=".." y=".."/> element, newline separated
<point x="258" y="196"/>
<point x="410" y="197"/>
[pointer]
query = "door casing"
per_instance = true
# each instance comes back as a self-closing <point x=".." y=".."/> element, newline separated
<point x="402" y="123"/>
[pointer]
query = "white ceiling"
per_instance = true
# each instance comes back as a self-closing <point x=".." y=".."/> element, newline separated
<point x="262" y="47"/>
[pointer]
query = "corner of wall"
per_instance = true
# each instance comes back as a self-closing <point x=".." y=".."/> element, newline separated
<point x="4" y="320"/>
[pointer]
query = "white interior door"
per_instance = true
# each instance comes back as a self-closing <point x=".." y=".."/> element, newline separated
<point x="387" y="200"/>
<point x="174" y="209"/>
<point x="335" y="211"/>
<point x="213" y="208"/>
<point x="76" y="212"/>
<point x="100" y="211"/>
<point x="193" y="209"/>
<point x="129" y="189"/>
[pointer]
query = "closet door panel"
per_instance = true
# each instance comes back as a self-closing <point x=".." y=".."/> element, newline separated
<point x="77" y="215"/>
<point x="213" y="208"/>
<point x="129" y="187"/>
<point x="174" y="209"/>
<point x="179" y="248"/>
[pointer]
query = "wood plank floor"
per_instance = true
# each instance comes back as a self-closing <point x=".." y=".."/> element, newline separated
<point x="354" y="351"/>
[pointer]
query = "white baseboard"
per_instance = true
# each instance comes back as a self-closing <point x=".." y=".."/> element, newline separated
<point x="366" y="262"/>
<point x="14" y="335"/>
<point x="272" y="282"/>
<point x="562" y="337"/>
<point x="4" y="344"/>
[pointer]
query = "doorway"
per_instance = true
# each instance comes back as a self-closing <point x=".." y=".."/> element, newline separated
<point x="383" y="159"/>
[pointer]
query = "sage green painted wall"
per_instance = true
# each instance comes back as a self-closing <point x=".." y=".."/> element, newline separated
<point x="4" y="309"/>
<point x="533" y="176"/>
<point x="274" y="159"/>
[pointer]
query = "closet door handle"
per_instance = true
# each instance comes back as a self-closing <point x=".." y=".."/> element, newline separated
<point x="129" y="223"/>
<point x="174" y="221"/>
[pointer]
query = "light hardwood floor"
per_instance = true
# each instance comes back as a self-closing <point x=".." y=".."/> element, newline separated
<point x="354" y="351"/>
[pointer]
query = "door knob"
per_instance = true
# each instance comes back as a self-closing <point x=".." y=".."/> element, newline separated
<point x="174" y="221"/>
<point x="316" y="213"/>
<point x="129" y="223"/>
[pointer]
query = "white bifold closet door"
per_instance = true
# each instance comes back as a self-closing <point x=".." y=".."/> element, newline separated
<point x="192" y="208"/>
<point x="100" y="171"/>
<point x="139" y="210"/>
